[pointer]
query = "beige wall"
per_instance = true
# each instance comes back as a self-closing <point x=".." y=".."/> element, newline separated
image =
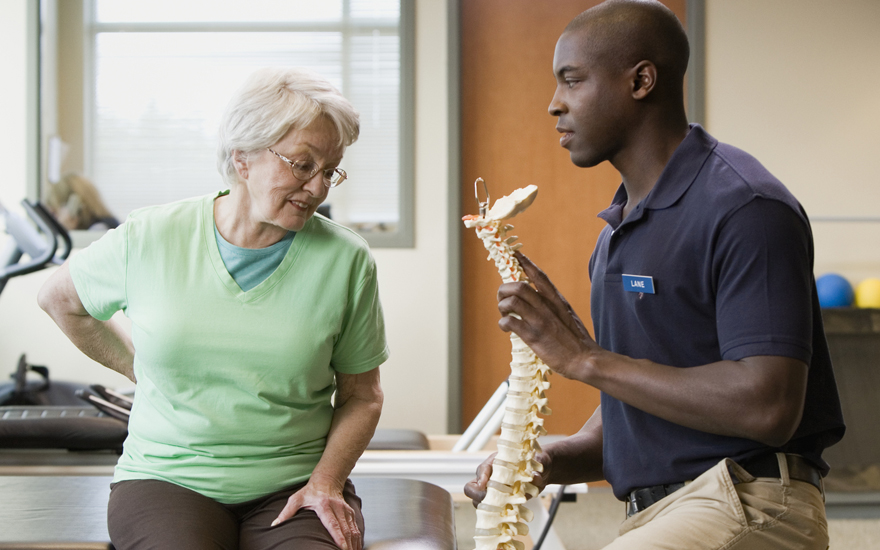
<point x="413" y="282"/>
<point x="12" y="101"/>
<point x="794" y="83"/>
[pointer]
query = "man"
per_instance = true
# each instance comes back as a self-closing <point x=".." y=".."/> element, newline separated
<point x="717" y="390"/>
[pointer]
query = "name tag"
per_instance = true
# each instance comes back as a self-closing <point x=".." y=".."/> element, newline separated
<point x="638" y="283"/>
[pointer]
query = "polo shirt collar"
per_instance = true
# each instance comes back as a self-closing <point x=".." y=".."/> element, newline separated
<point x="678" y="175"/>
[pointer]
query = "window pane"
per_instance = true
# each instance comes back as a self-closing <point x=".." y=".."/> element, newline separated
<point x="159" y="96"/>
<point x="231" y="11"/>
<point x="375" y="9"/>
<point x="374" y="90"/>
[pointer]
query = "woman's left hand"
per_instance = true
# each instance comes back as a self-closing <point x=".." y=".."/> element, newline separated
<point x="326" y="499"/>
<point x="358" y="405"/>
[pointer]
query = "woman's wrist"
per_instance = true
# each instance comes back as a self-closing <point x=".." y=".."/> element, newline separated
<point x="327" y="482"/>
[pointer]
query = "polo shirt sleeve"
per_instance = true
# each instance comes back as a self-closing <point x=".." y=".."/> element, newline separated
<point x="361" y="345"/>
<point x="99" y="274"/>
<point x="763" y="273"/>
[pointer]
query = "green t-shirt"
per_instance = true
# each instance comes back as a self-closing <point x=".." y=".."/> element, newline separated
<point x="234" y="387"/>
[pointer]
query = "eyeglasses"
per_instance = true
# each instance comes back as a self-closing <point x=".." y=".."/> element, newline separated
<point x="305" y="170"/>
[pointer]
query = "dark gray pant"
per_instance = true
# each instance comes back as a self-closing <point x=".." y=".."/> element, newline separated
<point x="151" y="514"/>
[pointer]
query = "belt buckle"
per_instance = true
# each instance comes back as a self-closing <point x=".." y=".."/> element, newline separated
<point x="632" y="506"/>
<point x="635" y="500"/>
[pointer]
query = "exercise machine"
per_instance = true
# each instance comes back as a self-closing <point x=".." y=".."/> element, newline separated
<point x="41" y="413"/>
<point x="44" y="241"/>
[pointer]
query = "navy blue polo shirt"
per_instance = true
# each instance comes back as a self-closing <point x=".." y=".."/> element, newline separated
<point x="715" y="263"/>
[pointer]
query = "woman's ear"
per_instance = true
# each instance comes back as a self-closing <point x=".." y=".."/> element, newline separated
<point x="239" y="160"/>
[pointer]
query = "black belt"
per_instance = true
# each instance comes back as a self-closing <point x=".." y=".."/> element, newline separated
<point x="761" y="466"/>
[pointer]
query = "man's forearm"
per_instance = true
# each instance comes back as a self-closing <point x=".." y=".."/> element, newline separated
<point x="578" y="458"/>
<point x="759" y="398"/>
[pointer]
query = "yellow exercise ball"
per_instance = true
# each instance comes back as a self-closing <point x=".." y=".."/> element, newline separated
<point x="868" y="293"/>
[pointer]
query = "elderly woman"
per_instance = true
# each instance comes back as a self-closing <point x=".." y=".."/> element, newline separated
<point x="248" y="311"/>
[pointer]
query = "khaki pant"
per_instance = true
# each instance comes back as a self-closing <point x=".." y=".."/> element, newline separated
<point x="713" y="513"/>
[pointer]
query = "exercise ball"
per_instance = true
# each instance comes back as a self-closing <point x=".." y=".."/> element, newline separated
<point x="834" y="291"/>
<point x="868" y="293"/>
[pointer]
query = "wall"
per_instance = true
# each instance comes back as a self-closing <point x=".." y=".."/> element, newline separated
<point x="793" y="83"/>
<point x="12" y="100"/>
<point x="413" y="282"/>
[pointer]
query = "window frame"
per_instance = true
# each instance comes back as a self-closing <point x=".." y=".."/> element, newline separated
<point x="404" y="234"/>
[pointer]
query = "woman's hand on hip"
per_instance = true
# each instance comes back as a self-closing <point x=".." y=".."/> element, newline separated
<point x="325" y="498"/>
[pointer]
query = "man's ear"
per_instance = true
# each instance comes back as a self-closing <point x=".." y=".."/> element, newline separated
<point x="644" y="79"/>
<point x="239" y="160"/>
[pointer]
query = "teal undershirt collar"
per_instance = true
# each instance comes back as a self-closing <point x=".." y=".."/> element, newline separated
<point x="251" y="266"/>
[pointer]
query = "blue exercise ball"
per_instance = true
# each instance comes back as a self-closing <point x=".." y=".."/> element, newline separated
<point x="834" y="291"/>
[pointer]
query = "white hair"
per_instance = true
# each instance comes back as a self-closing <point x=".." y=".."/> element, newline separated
<point x="272" y="102"/>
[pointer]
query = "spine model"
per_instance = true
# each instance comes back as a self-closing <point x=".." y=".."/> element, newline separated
<point x="503" y="514"/>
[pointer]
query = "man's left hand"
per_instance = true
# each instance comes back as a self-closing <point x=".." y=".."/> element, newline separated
<point x="547" y="322"/>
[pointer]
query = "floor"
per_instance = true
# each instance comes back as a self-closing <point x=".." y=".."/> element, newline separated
<point x="591" y="523"/>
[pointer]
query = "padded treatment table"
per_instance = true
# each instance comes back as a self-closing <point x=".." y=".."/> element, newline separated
<point x="70" y="512"/>
<point x="84" y="428"/>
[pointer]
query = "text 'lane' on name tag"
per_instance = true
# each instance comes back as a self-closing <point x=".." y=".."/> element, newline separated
<point x="638" y="283"/>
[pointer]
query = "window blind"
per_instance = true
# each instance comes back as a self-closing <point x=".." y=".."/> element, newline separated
<point x="163" y="71"/>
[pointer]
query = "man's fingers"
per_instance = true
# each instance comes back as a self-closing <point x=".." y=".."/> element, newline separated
<point x="519" y="291"/>
<point x="474" y="492"/>
<point x="544" y="285"/>
<point x="538" y="278"/>
<point x="539" y="481"/>
<point x="484" y="470"/>
<point x="476" y="488"/>
<point x="508" y="323"/>
<point x="548" y="291"/>
<point x="528" y="265"/>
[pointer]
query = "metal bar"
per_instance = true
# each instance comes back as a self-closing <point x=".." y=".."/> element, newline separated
<point x="488" y="430"/>
<point x="493" y="404"/>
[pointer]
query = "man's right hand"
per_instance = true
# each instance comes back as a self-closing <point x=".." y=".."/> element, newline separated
<point x="476" y="488"/>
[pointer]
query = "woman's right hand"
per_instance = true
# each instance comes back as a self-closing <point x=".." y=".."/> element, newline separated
<point x="104" y="341"/>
